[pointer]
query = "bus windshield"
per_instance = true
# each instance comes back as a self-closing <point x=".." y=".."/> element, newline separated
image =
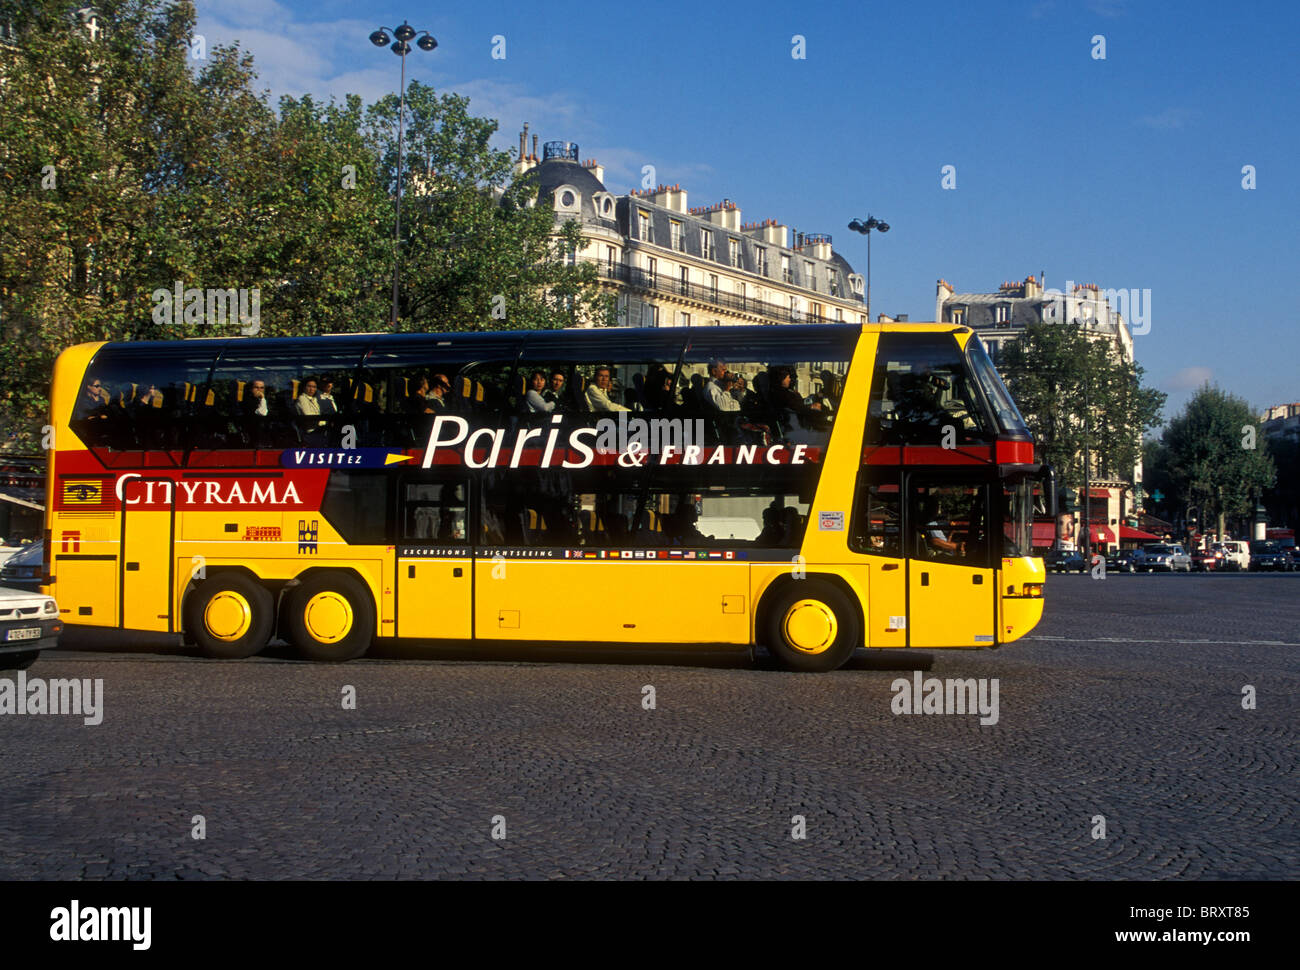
<point x="1004" y="409"/>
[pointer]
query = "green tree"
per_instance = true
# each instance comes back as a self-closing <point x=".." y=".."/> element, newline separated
<point x="1078" y="395"/>
<point x="1217" y="460"/>
<point x="127" y="166"/>
<point x="476" y="242"/>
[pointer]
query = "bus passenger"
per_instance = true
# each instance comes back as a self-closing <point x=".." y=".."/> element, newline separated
<point x="720" y="387"/>
<point x="536" y="402"/>
<point x="554" y="393"/>
<point x="418" y="400"/>
<point x="438" y="393"/>
<point x="307" y="405"/>
<point x="598" y="392"/>
<point x="91" y="402"/>
<point x="326" y="397"/>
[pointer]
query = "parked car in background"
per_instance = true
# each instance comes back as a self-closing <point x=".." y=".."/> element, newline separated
<point x="7" y="551"/>
<point x="1162" y="557"/>
<point x="1208" y="560"/>
<point x="1268" y="555"/>
<point x="1294" y="553"/>
<point x="1120" y="561"/>
<point x="1065" y="561"/>
<point x="29" y="623"/>
<point x="23" y="570"/>
<point x="1236" y="554"/>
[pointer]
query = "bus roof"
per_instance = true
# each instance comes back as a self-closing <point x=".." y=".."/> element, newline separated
<point x="560" y="341"/>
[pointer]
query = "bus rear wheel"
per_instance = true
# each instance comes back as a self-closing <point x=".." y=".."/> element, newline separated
<point x="230" y="616"/>
<point x="812" y="626"/>
<point x="330" y="618"/>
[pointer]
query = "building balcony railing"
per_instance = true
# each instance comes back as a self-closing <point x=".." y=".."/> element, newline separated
<point x="640" y="279"/>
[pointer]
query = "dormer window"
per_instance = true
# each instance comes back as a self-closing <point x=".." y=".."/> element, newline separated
<point x="568" y="200"/>
<point x="1001" y="313"/>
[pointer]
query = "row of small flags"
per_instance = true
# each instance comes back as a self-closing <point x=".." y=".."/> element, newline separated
<point x="649" y="554"/>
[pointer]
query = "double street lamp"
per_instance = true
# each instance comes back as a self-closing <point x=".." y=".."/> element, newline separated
<point x="401" y="47"/>
<point x="858" y="225"/>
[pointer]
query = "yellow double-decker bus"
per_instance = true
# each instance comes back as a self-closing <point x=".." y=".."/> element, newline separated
<point x="812" y="489"/>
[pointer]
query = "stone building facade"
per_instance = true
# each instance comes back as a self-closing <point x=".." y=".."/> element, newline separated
<point x="669" y="264"/>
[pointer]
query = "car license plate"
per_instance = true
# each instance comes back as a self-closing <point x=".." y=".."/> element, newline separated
<point x="27" y="633"/>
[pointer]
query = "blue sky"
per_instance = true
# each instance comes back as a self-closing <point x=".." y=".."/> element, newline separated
<point x="1125" y="172"/>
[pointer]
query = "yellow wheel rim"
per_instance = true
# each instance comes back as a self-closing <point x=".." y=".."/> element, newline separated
<point x="228" y="616"/>
<point x="328" y="617"/>
<point x="810" y="626"/>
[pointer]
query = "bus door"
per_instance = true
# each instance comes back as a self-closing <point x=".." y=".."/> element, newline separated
<point x="877" y="532"/>
<point x="434" y="592"/>
<point x="951" y="588"/>
<point x="146" y="563"/>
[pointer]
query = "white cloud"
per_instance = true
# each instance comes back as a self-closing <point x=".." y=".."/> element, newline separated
<point x="1189" y="379"/>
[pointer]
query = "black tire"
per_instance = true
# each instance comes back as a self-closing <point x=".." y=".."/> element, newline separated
<point x="821" y="596"/>
<point x="18" y="661"/>
<point x="219" y="593"/>
<point x="332" y="592"/>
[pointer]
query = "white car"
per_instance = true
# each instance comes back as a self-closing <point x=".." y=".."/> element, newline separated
<point x="1236" y="554"/>
<point x="29" y="623"/>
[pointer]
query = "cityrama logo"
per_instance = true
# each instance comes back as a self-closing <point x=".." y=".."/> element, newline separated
<point x="83" y="698"/>
<point x="102" y="924"/>
<point x="951" y="696"/>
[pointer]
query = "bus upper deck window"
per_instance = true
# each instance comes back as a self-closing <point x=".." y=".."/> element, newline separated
<point x="921" y="393"/>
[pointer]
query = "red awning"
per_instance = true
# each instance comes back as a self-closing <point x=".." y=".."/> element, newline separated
<point x="1136" y="535"/>
<point x="1103" y="533"/>
<point x="1095" y="493"/>
<point x="1044" y="533"/>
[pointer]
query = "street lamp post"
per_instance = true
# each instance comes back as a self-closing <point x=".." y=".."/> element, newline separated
<point x="401" y="47"/>
<point x="858" y="225"/>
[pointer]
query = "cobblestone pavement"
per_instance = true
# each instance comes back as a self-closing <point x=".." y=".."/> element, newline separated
<point x="1126" y="703"/>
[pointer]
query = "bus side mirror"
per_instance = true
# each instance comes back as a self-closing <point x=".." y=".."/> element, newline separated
<point x="1047" y="483"/>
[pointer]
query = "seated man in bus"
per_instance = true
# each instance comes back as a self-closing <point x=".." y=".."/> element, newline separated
<point x="933" y="531"/>
<point x="554" y="393"/>
<point x="417" y="402"/>
<point x="772" y="532"/>
<point x="439" y="389"/>
<point x="325" y="399"/>
<point x="599" y="390"/>
<point x="784" y="396"/>
<point x="680" y="528"/>
<point x="255" y="414"/>
<point x="91" y="403"/>
<point x="720" y="387"/>
<point x="310" y="420"/>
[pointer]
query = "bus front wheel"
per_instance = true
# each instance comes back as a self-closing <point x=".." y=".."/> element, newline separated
<point x="812" y="626"/>
<point x="230" y="616"/>
<point x="330" y="618"/>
